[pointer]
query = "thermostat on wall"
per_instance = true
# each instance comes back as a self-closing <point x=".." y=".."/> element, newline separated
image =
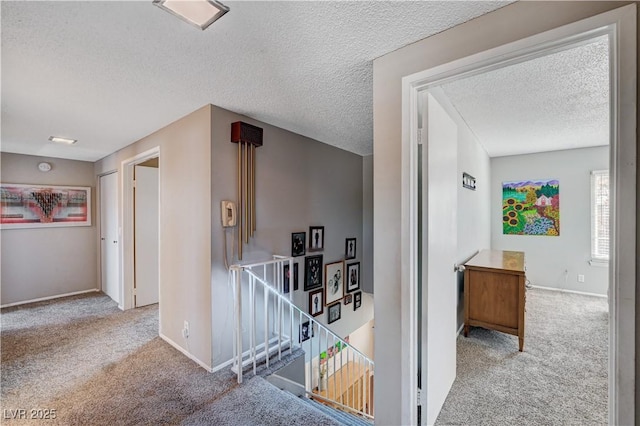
<point x="44" y="167"/>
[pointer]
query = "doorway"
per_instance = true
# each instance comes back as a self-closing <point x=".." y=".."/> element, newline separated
<point x="622" y="131"/>
<point x="146" y="196"/>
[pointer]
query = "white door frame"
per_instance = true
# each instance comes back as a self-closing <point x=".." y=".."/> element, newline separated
<point x="620" y="25"/>
<point x="126" y="251"/>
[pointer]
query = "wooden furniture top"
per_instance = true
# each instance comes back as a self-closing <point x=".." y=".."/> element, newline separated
<point x="512" y="261"/>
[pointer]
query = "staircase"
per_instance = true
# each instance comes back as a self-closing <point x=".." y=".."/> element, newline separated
<point x="327" y="373"/>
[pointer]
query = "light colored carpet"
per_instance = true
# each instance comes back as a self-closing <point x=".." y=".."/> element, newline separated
<point x="96" y="365"/>
<point x="559" y="379"/>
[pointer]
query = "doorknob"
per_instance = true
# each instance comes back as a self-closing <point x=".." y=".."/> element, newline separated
<point x="458" y="268"/>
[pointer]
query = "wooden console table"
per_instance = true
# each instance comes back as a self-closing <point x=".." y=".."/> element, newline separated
<point x="494" y="292"/>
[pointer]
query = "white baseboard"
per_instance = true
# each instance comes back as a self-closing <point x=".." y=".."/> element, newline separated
<point x="222" y="366"/>
<point x="460" y="330"/>
<point x="185" y="353"/>
<point x="561" y="290"/>
<point x="42" y="299"/>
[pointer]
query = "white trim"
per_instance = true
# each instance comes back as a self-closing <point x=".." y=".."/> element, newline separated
<point x="222" y="366"/>
<point x="58" y="296"/>
<point x="126" y="226"/>
<point x="620" y="26"/>
<point x="599" y="263"/>
<point x="562" y="290"/>
<point x="460" y="330"/>
<point x="185" y="353"/>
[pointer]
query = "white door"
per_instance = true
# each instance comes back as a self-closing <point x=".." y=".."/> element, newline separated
<point x="439" y="243"/>
<point x="146" y="205"/>
<point x="110" y="265"/>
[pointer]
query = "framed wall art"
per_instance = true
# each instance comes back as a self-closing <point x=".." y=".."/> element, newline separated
<point x="353" y="277"/>
<point x="531" y="207"/>
<point x="316" y="302"/>
<point x="287" y="277"/>
<point x="357" y="300"/>
<point x="334" y="282"/>
<point x="350" y="248"/>
<point x="312" y="272"/>
<point x="348" y="298"/>
<point x="44" y="206"/>
<point x="316" y="238"/>
<point x="298" y="244"/>
<point x="306" y="331"/>
<point x="334" y="312"/>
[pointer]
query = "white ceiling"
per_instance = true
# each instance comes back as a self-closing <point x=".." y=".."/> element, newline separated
<point x="110" y="73"/>
<point x="556" y="102"/>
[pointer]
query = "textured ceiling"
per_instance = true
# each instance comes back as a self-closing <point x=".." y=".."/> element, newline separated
<point x="559" y="101"/>
<point x="110" y="73"/>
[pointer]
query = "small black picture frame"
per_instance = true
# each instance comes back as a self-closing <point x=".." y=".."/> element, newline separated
<point x="298" y="244"/>
<point x="334" y="311"/>
<point x="287" y="278"/>
<point x="312" y="272"/>
<point x="316" y="302"/>
<point x="350" y="248"/>
<point x="352" y="277"/>
<point x="357" y="300"/>
<point x="316" y="238"/>
<point x="306" y="331"/>
<point x="348" y="299"/>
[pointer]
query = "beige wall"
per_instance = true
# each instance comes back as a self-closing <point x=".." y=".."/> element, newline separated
<point x="47" y="262"/>
<point x="299" y="182"/>
<point x="511" y="23"/>
<point x="185" y="227"/>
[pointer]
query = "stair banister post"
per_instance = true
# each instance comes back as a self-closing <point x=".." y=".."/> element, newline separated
<point x="239" y="323"/>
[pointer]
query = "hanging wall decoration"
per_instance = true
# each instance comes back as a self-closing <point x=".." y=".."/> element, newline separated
<point x="248" y="138"/>
<point x="531" y="207"/>
<point x="39" y="206"/>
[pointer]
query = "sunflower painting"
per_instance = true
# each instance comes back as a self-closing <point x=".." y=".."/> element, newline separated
<point x="531" y="208"/>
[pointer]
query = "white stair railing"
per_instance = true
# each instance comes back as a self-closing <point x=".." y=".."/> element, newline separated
<point x="336" y="373"/>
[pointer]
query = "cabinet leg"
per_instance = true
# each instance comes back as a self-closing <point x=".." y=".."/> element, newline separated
<point x="466" y="330"/>
<point x="521" y="343"/>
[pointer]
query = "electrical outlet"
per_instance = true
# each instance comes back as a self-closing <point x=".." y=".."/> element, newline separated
<point x="580" y="278"/>
<point x="185" y="330"/>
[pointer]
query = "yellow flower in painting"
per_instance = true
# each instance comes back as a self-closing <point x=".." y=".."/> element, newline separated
<point x="552" y="232"/>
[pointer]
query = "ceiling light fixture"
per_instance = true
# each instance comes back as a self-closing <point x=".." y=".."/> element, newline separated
<point x="200" y="13"/>
<point x="66" y="141"/>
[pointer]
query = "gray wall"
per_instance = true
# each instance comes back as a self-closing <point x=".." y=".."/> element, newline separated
<point x="185" y="223"/>
<point x="46" y="262"/>
<point x="299" y="182"/>
<point x="366" y="248"/>
<point x="510" y="23"/>
<point x="549" y="257"/>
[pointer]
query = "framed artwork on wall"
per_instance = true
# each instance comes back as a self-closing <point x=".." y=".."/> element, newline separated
<point x="334" y="282"/>
<point x="286" y="278"/>
<point x="531" y="207"/>
<point x="306" y="331"/>
<point x="316" y="302"/>
<point x="334" y="312"/>
<point x="44" y="206"/>
<point x="312" y="272"/>
<point x="298" y="244"/>
<point x="316" y="238"/>
<point x="348" y="298"/>
<point x="350" y="248"/>
<point x="353" y="277"/>
<point x="357" y="300"/>
<point x="295" y="276"/>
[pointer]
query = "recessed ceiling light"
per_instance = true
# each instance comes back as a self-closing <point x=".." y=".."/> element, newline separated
<point x="66" y="141"/>
<point x="200" y="13"/>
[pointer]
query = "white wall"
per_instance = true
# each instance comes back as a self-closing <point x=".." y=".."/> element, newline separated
<point x="510" y="23"/>
<point x="185" y="227"/>
<point x="366" y="248"/>
<point x="299" y="182"/>
<point x="474" y="207"/>
<point x="46" y="262"/>
<point x="554" y="261"/>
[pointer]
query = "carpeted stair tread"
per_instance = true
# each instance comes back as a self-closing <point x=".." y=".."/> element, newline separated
<point x="341" y="416"/>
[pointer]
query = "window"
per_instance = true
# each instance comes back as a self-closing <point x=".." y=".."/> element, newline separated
<point x="600" y="215"/>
